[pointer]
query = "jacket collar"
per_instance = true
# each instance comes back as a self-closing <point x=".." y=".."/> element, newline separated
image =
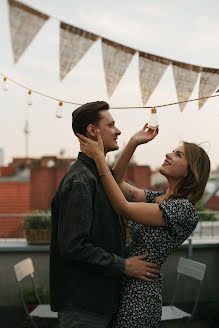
<point x="87" y="159"/>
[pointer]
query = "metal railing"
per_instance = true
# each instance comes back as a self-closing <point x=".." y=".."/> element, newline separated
<point x="11" y="225"/>
<point x="209" y="228"/>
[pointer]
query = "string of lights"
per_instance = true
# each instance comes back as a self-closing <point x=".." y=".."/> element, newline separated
<point x="59" y="111"/>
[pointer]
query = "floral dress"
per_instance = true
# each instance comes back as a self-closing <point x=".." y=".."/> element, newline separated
<point x="140" y="301"/>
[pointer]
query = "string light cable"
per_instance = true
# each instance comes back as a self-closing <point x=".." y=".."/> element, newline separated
<point x="62" y="101"/>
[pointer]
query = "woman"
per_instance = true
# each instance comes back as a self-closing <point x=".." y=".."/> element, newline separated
<point x="162" y="220"/>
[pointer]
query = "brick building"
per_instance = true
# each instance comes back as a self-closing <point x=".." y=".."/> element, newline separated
<point x="29" y="184"/>
<point x="211" y="202"/>
<point x="26" y="185"/>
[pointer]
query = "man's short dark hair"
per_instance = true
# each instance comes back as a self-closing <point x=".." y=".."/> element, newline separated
<point x="87" y="114"/>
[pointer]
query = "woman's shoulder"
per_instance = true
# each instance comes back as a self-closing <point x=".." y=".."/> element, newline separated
<point x="180" y="216"/>
<point x="180" y="206"/>
<point x="151" y="195"/>
<point x="181" y="201"/>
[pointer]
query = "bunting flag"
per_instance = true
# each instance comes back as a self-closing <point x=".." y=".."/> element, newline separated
<point x="185" y="77"/>
<point x="151" y="70"/>
<point x="25" y="23"/>
<point x="74" y="43"/>
<point x="116" y="59"/>
<point x="209" y="81"/>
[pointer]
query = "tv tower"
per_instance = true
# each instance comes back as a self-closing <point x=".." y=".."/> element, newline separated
<point x="26" y="132"/>
<point x="26" y="126"/>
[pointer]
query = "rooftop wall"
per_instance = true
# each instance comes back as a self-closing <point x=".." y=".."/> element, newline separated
<point x="207" y="254"/>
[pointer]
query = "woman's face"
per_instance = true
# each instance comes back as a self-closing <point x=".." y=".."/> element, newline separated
<point x="175" y="165"/>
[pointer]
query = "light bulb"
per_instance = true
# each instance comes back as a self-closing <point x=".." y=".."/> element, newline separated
<point x="153" y="122"/>
<point x="5" y="84"/>
<point x="29" y="98"/>
<point x="59" y="111"/>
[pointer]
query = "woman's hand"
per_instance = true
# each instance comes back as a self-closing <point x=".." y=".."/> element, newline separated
<point x="91" y="148"/>
<point x="143" y="136"/>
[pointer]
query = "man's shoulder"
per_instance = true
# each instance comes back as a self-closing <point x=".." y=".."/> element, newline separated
<point x="79" y="172"/>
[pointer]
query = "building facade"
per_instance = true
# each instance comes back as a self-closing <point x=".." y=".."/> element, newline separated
<point x="29" y="184"/>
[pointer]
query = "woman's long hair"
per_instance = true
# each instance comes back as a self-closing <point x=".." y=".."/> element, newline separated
<point x="192" y="186"/>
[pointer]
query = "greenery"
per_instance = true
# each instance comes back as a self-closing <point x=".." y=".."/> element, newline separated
<point x="37" y="220"/>
<point x="204" y="216"/>
<point x="30" y="297"/>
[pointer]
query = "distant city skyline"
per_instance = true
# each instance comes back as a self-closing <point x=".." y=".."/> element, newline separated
<point x="181" y="31"/>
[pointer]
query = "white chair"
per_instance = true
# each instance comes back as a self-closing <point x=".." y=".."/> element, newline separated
<point x="25" y="269"/>
<point x="188" y="268"/>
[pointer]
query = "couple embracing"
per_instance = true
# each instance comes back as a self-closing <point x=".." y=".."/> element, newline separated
<point x="96" y="280"/>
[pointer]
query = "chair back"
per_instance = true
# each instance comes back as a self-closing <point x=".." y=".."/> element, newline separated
<point x="23" y="269"/>
<point x="191" y="268"/>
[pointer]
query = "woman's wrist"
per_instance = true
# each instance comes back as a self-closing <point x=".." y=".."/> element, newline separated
<point x="99" y="157"/>
<point x="133" y="142"/>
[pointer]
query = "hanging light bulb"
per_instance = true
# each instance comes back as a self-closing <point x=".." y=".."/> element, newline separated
<point x="59" y="111"/>
<point x="29" y="98"/>
<point x="153" y="121"/>
<point x="5" y="84"/>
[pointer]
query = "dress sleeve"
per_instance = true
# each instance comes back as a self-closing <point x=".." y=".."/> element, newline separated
<point x="152" y="195"/>
<point x="180" y="217"/>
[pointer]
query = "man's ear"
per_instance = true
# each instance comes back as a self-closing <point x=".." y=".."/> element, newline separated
<point x="91" y="130"/>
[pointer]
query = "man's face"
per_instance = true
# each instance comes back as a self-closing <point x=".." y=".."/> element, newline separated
<point x="108" y="131"/>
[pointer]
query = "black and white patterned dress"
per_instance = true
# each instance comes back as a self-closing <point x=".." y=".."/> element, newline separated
<point x="141" y="302"/>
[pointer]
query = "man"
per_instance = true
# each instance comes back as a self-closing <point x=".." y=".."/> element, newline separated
<point x="88" y="237"/>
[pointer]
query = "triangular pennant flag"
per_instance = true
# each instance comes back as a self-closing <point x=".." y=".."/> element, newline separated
<point x="185" y="77"/>
<point x="74" y="43"/>
<point x="25" y="23"/>
<point x="116" y="59"/>
<point x="209" y="82"/>
<point x="151" y="70"/>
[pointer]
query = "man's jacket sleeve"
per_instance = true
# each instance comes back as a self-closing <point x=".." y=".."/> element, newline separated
<point x="75" y="221"/>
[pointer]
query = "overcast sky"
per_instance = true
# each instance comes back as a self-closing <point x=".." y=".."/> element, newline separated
<point x="181" y="30"/>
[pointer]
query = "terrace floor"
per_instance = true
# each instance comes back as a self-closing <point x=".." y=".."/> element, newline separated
<point x="21" y="322"/>
<point x="9" y="315"/>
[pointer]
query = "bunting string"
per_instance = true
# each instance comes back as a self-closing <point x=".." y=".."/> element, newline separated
<point x="26" y="22"/>
<point x="117" y="107"/>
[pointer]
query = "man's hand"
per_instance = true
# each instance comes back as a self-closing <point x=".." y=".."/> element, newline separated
<point x="138" y="268"/>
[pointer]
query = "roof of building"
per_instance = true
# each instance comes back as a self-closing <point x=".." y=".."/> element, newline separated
<point x="212" y="193"/>
<point x="19" y="176"/>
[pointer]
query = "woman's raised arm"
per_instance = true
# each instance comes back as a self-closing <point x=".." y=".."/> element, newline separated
<point x="131" y="193"/>
<point x="148" y="214"/>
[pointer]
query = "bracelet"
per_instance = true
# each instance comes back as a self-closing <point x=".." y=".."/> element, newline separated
<point x="104" y="174"/>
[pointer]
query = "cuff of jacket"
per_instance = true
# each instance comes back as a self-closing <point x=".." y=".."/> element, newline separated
<point x="117" y="268"/>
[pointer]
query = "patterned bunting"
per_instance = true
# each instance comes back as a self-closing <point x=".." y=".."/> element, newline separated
<point x="209" y="81"/>
<point x="151" y="70"/>
<point x="185" y="77"/>
<point x="74" y="43"/>
<point x="116" y="59"/>
<point x="25" y="23"/>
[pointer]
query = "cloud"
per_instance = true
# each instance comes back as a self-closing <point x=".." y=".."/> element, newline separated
<point x="48" y="65"/>
<point x="119" y="28"/>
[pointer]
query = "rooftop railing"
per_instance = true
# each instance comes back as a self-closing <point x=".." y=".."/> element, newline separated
<point x="11" y="225"/>
<point x="208" y="228"/>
